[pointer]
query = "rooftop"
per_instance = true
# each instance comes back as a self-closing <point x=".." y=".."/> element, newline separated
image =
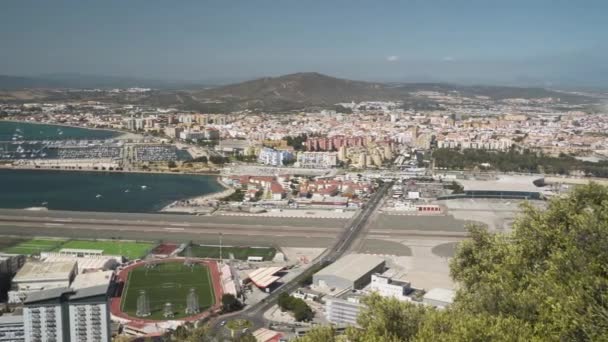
<point x="84" y="263"/>
<point x="352" y="266"/>
<point x="91" y="279"/>
<point x="439" y="294"/>
<point x="265" y="276"/>
<point x="266" y="335"/>
<point x="503" y="183"/>
<point x="44" y="295"/>
<point x="99" y="290"/>
<point x="37" y="271"/>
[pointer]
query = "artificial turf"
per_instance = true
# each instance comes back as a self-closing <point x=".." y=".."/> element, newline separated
<point x="168" y="282"/>
<point x="239" y="253"/>
<point x="28" y="247"/>
<point x="128" y="249"/>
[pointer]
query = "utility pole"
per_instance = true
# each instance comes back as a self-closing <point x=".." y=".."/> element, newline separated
<point x="221" y="259"/>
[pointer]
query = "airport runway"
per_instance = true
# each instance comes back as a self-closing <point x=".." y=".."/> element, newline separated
<point x="204" y="229"/>
<point x="260" y="231"/>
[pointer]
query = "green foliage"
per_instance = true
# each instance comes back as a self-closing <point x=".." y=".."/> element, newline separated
<point x="238" y="324"/>
<point x="258" y="195"/>
<point x="189" y="333"/>
<point x="219" y="160"/>
<point x="549" y="273"/>
<point x="388" y="319"/>
<point x="547" y="280"/>
<point x="456" y="187"/>
<point x="230" y="303"/>
<point x="301" y="310"/>
<point x="325" y="334"/>
<point x="246" y="159"/>
<point x="514" y="161"/>
<point x="171" y="164"/>
<point x="297" y="142"/>
<point x="202" y="159"/>
<point x="449" y="325"/>
<point x="342" y="109"/>
<point x="207" y="143"/>
<point x="237" y="196"/>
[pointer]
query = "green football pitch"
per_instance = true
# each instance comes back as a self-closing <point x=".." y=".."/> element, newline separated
<point x="168" y="282"/>
<point x="229" y="252"/>
<point x="129" y="249"/>
<point x="28" y="247"/>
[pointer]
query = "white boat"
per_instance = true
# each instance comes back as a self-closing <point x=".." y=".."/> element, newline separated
<point x="127" y="190"/>
<point x="144" y="187"/>
<point x="98" y="196"/>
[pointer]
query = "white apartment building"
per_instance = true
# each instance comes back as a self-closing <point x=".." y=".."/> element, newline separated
<point x="11" y="328"/>
<point x="269" y="156"/>
<point x="64" y="314"/>
<point x="317" y="159"/>
<point x="43" y="316"/>
<point x="387" y="287"/>
<point x="343" y="311"/>
<point x="90" y="315"/>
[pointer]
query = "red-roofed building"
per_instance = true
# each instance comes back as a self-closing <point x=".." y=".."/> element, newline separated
<point x="265" y="276"/>
<point x="276" y="191"/>
<point x="267" y="335"/>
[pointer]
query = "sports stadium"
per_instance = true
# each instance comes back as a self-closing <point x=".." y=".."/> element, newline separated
<point x="185" y="289"/>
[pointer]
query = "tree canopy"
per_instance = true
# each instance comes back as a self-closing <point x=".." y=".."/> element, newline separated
<point x="515" y="161"/>
<point x="547" y="280"/>
<point x="230" y="303"/>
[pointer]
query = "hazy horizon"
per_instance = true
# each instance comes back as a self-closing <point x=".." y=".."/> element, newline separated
<point x="544" y="43"/>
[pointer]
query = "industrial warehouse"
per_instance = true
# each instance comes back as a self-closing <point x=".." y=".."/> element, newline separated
<point x="352" y="271"/>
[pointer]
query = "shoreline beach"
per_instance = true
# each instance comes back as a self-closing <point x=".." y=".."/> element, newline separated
<point x="195" y="204"/>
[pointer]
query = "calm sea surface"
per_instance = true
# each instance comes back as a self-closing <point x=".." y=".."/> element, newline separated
<point x="97" y="191"/>
<point x="30" y="131"/>
<point x="90" y="191"/>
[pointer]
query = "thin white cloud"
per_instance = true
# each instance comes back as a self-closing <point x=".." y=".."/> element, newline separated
<point x="448" y="59"/>
<point x="392" y="58"/>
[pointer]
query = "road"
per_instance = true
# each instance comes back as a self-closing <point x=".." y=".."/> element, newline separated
<point x="254" y="313"/>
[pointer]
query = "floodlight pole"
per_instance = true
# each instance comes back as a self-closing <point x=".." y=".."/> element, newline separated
<point x="221" y="259"/>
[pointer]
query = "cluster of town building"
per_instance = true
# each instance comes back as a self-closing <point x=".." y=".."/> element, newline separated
<point x="374" y="134"/>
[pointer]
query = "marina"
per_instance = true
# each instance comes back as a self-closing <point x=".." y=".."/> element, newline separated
<point x="78" y="148"/>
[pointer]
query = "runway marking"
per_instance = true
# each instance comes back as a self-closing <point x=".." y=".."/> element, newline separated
<point x="175" y="229"/>
<point x="53" y="224"/>
<point x="62" y="220"/>
<point x="180" y="224"/>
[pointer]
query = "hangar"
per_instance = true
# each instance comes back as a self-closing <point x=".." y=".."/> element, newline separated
<point x="351" y="271"/>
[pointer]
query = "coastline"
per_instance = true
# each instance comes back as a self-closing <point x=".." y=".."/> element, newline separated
<point x="203" y="203"/>
<point x="29" y="168"/>
<point x="122" y="135"/>
<point x="176" y="205"/>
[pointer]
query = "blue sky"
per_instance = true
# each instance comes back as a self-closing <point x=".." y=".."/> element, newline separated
<point x="423" y="40"/>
